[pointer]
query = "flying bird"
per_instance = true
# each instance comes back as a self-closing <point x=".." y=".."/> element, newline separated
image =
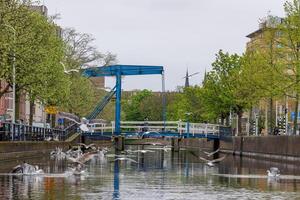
<point x="211" y="163"/>
<point x="124" y="158"/>
<point x="82" y="126"/>
<point x="211" y="153"/>
<point x="70" y="70"/>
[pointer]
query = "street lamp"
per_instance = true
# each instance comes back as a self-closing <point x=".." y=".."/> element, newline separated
<point x="13" y="74"/>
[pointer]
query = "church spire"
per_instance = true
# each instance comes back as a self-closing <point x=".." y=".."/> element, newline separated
<point x="187" y="82"/>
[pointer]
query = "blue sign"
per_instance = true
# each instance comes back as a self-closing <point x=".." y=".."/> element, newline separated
<point x="293" y="115"/>
<point x="60" y="121"/>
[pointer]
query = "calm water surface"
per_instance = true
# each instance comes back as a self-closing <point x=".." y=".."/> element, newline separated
<point x="159" y="175"/>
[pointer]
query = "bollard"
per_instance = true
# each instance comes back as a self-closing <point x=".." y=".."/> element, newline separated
<point x="119" y="143"/>
<point x="175" y="142"/>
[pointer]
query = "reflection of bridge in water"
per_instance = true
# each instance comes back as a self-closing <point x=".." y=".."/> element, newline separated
<point x="158" y="129"/>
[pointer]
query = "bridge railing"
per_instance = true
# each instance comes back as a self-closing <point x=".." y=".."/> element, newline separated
<point x="22" y="132"/>
<point x="159" y="126"/>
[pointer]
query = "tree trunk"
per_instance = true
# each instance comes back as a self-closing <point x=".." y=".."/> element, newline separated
<point x="31" y="112"/>
<point x="53" y="119"/>
<point x="222" y="120"/>
<point x="296" y="115"/>
<point x="17" y="103"/>
<point x="250" y="121"/>
<point x="239" y="125"/>
<point x="271" y="119"/>
<point x="227" y="123"/>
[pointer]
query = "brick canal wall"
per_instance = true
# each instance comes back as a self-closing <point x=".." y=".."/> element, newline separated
<point x="265" y="147"/>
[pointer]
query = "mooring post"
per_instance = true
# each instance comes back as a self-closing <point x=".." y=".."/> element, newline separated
<point x="119" y="143"/>
<point x="175" y="144"/>
<point x="216" y="147"/>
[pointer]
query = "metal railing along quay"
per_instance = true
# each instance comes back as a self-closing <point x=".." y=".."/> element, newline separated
<point x="179" y="127"/>
<point x="22" y="132"/>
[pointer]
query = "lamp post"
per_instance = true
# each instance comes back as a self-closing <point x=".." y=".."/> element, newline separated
<point x="13" y="74"/>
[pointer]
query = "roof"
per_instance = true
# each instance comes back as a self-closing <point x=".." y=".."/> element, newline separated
<point x="255" y="33"/>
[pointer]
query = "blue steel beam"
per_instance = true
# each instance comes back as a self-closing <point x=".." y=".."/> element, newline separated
<point x="118" y="71"/>
<point x="125" y="70"/>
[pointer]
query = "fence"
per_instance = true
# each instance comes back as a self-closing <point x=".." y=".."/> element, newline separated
<point x="161" y="126"/>
<point x="22" y="132"/>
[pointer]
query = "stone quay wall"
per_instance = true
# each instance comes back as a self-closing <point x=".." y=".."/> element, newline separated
<point x="265" y="147"/>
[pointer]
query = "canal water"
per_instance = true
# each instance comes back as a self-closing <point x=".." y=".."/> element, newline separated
<point x="157" y="175"/>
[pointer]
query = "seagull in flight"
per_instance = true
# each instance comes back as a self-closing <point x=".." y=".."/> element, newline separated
<point x="211" y="163"/>
<point x="82" y="126"/>
<point x="209" y="154"/>
<point x="70" y="70"/>
<point x="124" y="158"/>
<point x="143" y="151"/>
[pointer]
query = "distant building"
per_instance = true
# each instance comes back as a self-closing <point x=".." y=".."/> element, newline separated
<point x="41" y="9"/>
<point x="283" y="107"/>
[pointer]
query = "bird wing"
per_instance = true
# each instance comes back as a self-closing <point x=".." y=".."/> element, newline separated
<point x="82" y="144"/>
<point x="91" y="145"/>
<point x="211" y="153"/>
<point x="218" y="159"/>
<point x="84" y="127"/>
<point x="86" y="157"/>
<point x="73" y="70"/>
<point x="205" y="160"/>
<point x="73" y="120"/>
<point x="16" y="169"/>
<point x="131" y="160"/>
<point x="214" y="152"/>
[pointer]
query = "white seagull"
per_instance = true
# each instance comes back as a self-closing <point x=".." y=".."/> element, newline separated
<point x="273" y="172"/>
<point x="143" y="151"/>
<point x="210" y="163"/>
<point x="82" y="126"/>
<point x="124" y="158"/>
<point x="70" y="70"/>
<point x="211" y="153"/>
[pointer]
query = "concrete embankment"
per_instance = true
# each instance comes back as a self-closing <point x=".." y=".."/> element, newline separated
<point x="279" y="148"/>
<point x="19" y="150"/>
<point x="26" y="149"/>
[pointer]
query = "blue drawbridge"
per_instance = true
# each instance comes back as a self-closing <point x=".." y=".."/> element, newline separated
<point x="101" y="105"/>
<point x="118" y="71"/>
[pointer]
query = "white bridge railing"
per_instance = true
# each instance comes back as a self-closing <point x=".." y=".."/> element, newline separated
<point x="157" y="126"/>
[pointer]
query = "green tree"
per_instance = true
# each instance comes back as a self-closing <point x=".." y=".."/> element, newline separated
<point x="37" y="51"/>
<point x="222" y="91"/>
<point x="131" y="106"/>
<point x="290" y="30"/>
<point x="80" y="53"/>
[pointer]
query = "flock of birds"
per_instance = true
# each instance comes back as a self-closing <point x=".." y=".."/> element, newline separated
<point x="79" y="155"/>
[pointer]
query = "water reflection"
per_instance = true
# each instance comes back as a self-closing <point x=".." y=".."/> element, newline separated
<point x="157" y="175"/>
<point x="116" y="193"/>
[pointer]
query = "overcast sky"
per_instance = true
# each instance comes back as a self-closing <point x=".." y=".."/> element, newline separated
<point x="174" y="33"/>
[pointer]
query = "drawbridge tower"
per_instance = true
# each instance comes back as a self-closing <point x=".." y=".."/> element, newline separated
<point x="118" y="71"/>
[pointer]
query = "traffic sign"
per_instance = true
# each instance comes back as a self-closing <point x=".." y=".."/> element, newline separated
<point x="51" y="110"/>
